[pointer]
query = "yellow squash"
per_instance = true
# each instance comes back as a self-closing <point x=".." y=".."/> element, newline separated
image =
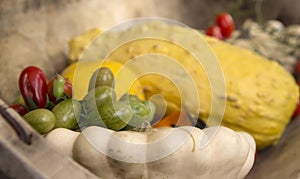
<point x="260" y="95"/>
<point x="79" y="73"/>
<point x="78" y="44"/>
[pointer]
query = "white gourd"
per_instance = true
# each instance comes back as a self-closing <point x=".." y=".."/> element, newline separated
<point x="62" y="140"/>
<point x="166" y="152"/>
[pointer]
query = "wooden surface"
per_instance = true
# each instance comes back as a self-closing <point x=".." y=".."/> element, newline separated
<point x="35" y="160"/>
<point x="283" y="160"/>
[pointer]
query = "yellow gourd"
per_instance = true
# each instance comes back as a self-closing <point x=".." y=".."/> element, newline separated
<point x="79" y="73"/>
<point x="260" y="95"/>
<point x="78" y="44"/>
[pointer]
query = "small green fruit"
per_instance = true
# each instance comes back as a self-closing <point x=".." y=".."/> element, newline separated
<point x="95" y="98"/>
<point x="102" y="77"/>
<point x="98" y="96"/>
<point x="67" y="112"/>
<point x="142" y="110"/>
<point x="42" y="120"/>
<point x="115" y="116"/>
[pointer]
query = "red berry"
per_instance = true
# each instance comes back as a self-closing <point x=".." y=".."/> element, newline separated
<point x="226" y="24"/>
<point x="214" y="31"/>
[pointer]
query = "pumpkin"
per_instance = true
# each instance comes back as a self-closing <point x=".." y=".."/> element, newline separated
<point x="181" y="152"/>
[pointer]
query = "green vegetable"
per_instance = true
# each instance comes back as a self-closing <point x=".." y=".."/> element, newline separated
<point x="67" y="112"/>
<point x="94" y="100"/>
<point x="59" y="87"/>
<point x="142" y="110"/>
<point x="102" y="77"/>
<point x="112" y="116"/>
<point x="98" y="96"/>
<point x="42" y="120"/>
<point x="115" y="116"/>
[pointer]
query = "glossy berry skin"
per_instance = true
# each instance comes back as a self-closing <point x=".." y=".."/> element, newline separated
<point x="226" y="24"/>
<point x="214" y="31"/>
<point x="33" y="87"/>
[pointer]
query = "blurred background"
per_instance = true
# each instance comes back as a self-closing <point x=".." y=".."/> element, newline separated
<point x="37" y="32"/>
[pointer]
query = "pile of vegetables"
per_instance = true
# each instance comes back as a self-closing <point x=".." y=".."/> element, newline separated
<point x="117" y="139"/>
<point x="103" y="109"/>
<point x="113" y="131"/>
<point x="46" y="105"/>
<point x="50" y="105"/>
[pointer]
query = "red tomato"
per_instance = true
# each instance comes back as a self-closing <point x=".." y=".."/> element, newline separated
<point x="214" y="31"/>
<point x="226" y="24"/>
<point x="67" y="90"/>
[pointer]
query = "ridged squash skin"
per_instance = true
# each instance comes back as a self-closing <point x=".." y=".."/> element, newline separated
<point x="165" y="152"/>
<point x="260" y="95"/>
